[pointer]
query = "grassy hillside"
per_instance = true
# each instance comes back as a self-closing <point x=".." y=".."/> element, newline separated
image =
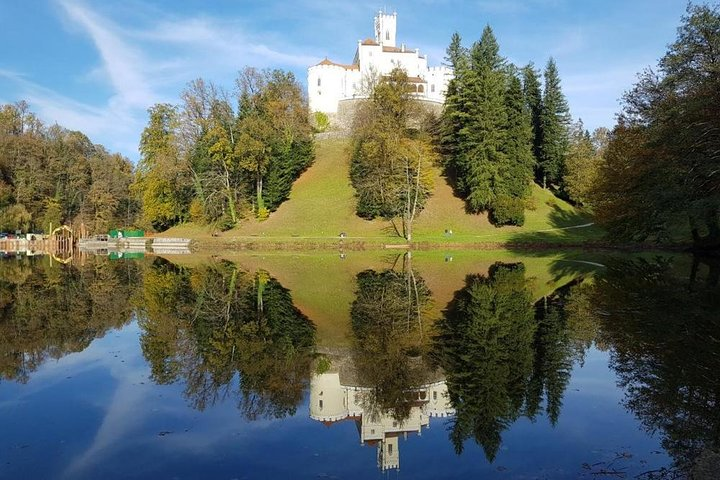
<point x="322" y="205"/>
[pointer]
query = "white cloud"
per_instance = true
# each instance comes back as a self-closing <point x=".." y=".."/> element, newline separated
<point x="122" y="63"/>
<point x="148" y="60"/>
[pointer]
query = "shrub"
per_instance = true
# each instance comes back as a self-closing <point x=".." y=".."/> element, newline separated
<point x="507" y="210"/>
<point x="530" y="204"/>
<point x="263" y="213"/>
<point x="321" y="120"/>
<point x="225" y="223"/>
<point x="323" y="365"/>
<point x="197" y="212"/>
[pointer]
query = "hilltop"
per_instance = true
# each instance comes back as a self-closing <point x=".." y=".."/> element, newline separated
<point x="322" y="205"/>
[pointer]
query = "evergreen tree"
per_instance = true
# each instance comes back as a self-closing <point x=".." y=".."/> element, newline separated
<point x="485" y="346"/>
<point x="554" y="125"/>
<point x="481" y="156"/>
<point x="515" y="175"/>
<point x="533" y="101"/>
<point x="455" y="116"/>
<point x="487" y="132"/>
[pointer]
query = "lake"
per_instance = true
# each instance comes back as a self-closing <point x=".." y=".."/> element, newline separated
<point x="504" y="365"/>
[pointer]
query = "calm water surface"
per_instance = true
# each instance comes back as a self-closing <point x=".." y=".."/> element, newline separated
<point x="464" y="365"/>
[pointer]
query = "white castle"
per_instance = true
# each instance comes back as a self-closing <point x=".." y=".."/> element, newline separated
<point x="332" y="402"/>
<point x="330" y="83"/>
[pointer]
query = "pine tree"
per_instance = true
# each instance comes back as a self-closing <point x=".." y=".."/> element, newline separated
<point x="515" y="174"/>
<point x="454" y="117"/>
<point x="477" y="165"/>
<point x="554" y="121"/>
<point x="533" y="101"/>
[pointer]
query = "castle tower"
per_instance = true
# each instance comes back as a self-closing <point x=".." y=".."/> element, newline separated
<point x="388" y="453"/>
<point x="385" y="28"/>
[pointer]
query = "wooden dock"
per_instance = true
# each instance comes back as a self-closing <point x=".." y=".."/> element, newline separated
<point x="136" y="244"/>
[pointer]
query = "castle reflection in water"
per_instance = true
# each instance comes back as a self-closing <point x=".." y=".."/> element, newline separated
<point x="332" y="402"/>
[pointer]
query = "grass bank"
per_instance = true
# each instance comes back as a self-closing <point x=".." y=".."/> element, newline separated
<point x="322" y="205"/>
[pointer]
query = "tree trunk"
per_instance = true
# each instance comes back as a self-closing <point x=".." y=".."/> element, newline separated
<point x="230" y="196"/>
<point x="711" y="241"/>
<point x="259" y="188"/>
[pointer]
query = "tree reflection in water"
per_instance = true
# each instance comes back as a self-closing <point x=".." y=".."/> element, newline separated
<point x="502" y="356"/>
<point x="230" y="333"/>
<point x="48" y="311"/>
<point x="389" y="324"/>
<point x="386" y="384"/>
<point x="212" y="324"/>
<point x="664" y="335"/>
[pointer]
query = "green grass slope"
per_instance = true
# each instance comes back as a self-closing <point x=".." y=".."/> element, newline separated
<point x="322" y="204"/>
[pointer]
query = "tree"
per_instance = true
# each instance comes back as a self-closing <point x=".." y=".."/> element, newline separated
<point x="226" y="159"/>
<point x="487" y="131"/>
<point x="481" y="155"/>
<point x="212" y="324"/>
<point x="161" y="180"/>
<point x="533" y="101"/>
<point x="275" y="144"/>
<point x="581" y="164"/>
<point x="664" y="154"/>
<point x="659" y="318"/>
<point x="107" y="204"/>
<point x="48" y="312"/>
<point x="554" y="124"/>
<point x="502" y="355"/>
<point x="389" y="320"/>
<point x="51" y="175"/>
<point x="292" y="145"/>
<point x="391" y="162"/>
<point x="515" y="175"/>
<point x="454" y="116"/>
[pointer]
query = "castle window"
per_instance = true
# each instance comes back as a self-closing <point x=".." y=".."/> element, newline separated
<point x="434" y="395"/>
<point x="319" y="82"/>
<point x="321" y="404"/>
<point x="387" y="34"/>
<point x="432" y="88"/>
<point x="389" y="448"/>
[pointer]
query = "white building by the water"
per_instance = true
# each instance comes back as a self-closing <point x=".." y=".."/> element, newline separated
<point x="332" y="402"/>
<point x="330" y="83"/>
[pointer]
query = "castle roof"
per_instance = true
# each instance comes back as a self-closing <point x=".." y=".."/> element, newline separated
<point x="397" y="50"/>
<point x="369" y="41"/>
<point x="335" y="64"/>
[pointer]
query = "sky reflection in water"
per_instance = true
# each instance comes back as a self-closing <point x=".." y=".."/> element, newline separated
<point x="98" y="413"/>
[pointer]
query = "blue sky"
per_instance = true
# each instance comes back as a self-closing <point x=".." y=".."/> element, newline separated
<point x="96" y="66"/>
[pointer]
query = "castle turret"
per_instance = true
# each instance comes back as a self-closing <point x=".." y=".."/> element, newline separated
<point x="385" y="28"/>
<point x="327" y="398"/>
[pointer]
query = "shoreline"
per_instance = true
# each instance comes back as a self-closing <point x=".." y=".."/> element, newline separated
<point x="204" y="245"/>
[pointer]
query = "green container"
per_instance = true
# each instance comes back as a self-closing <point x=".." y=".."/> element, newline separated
<point x="127" y="233"/>
<point x="127" y="255"/>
